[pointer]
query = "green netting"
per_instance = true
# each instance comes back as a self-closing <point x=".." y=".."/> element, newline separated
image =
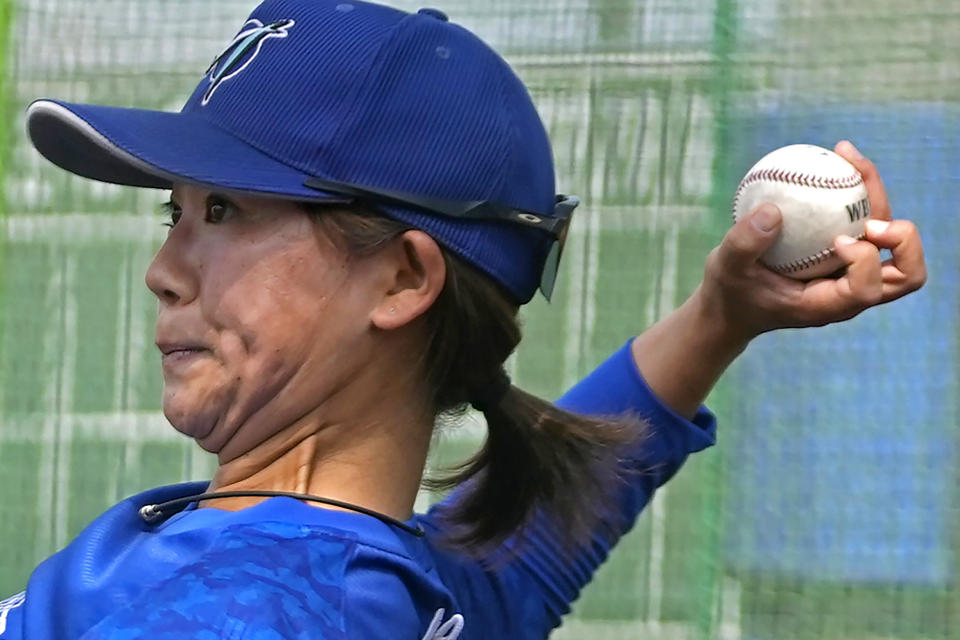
<point x="829" y="509"/>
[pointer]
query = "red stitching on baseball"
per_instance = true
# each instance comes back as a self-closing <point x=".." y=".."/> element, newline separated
<point x="800" y="179"/>
<point x="809" y="261"/>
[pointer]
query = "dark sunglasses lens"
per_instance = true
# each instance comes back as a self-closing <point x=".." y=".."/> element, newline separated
<point x="549" y="278"/>
<point x="552" y="266"/>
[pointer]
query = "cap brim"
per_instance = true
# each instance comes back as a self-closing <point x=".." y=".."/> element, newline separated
<point x="143" y="148"/>
<point x="157" y="149"/>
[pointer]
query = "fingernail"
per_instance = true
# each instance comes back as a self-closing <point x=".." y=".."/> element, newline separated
<point x="766" y="218"/>
<point x="876" y="227"/>
<point x="852" y="150"/>
<point x="843" y="240"/>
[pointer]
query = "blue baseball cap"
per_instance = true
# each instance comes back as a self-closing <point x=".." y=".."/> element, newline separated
<point x="326" y="100"/>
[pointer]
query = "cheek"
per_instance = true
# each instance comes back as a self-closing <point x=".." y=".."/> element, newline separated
<point x="269" y="288"/>
<point x="283" y="313"/>
<point x="274" y="307"/>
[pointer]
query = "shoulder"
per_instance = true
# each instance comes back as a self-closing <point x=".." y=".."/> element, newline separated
<point x="272" y="580"/>
<point x="284" y="580"/>
<point x="397" y="593"/>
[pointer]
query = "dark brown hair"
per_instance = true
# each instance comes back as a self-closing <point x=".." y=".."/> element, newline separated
<point x="536" y="457"/>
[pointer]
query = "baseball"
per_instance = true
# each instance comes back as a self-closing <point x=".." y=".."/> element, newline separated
<point x="820" y="195"/>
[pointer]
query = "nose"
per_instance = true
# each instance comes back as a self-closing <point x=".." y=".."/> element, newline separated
<point x="173" y="276"/>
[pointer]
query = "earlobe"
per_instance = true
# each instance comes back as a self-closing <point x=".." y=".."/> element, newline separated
<point x="418" y="275"/>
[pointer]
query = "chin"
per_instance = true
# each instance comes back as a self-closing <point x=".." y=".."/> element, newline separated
<point x="185" y="418"/>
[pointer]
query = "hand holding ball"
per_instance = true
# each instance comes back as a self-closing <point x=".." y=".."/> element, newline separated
<point x="820" y="196"/>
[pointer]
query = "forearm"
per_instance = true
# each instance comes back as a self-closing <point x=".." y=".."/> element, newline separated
<point x="683" y="355"/>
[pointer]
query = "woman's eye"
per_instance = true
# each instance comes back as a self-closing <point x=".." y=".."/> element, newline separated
<point x="172" y="212"/>
<point x="218" y="209"/>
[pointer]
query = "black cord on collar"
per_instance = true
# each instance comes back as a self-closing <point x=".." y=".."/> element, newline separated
<point x="152" y="513"/>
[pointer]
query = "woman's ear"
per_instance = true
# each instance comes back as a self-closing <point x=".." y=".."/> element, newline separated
<point x="417" y="275"/>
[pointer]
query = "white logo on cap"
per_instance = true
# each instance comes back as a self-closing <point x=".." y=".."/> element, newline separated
<point x="241" y="52"/>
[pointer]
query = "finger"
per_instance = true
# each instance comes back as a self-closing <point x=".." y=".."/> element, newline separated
<point x="749" y="238"/>
<point x="907" y="270"/>
<point x="862" y="285"/>
<point x="879" y="203"/>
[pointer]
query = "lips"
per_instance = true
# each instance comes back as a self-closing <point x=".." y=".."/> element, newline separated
<point x="178" y="353"/>
<point x="168" y="349"/>
<point x="180" y="357"/>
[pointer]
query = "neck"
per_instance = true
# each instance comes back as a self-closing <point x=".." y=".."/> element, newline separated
<point x="375" y="462"/>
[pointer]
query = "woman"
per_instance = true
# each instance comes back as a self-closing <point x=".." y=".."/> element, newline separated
<point x="361" y="199"/>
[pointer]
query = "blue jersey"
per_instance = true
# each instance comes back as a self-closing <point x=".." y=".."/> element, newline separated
<point x="283" y="569"/>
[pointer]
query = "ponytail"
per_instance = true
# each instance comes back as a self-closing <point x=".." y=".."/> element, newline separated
<point x="536" y="457"/>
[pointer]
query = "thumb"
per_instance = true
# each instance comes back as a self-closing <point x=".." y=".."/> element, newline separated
<point x="750" y="237"/>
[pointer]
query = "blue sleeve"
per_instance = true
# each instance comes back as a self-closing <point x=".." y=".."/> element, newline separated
<point x="538" y="573"/>
<point x="617" y="387"/>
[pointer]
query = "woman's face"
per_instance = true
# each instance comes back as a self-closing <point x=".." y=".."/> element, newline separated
<point x="260" y="317"/>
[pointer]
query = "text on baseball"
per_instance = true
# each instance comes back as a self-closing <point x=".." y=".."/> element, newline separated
<point x="858" y="210"/>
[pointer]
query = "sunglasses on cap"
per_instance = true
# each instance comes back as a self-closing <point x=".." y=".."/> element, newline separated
<point x="556" y="225"/>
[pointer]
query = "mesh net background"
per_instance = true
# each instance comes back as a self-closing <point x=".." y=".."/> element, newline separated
<point x="829" y="509"/>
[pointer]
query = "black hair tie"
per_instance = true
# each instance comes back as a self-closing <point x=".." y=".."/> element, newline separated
<point x="491" y="395"/>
